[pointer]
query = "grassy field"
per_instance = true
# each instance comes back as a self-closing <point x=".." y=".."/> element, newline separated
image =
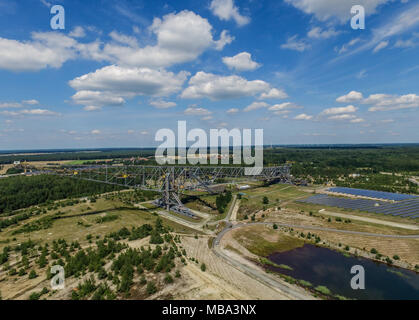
<point x="77" y="221"/>
<point x="263" y="241"/>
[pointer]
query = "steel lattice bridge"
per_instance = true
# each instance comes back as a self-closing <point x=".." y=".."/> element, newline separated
<point x="171" y="181"/>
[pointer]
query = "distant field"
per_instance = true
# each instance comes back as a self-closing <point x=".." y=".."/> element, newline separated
<point x="79" y="162"/>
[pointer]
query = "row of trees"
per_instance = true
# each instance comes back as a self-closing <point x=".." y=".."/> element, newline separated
<point x="23" y="192"/>
<point x="222" y="201"/>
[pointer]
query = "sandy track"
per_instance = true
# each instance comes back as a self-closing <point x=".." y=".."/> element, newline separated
<point x="224" y="278"/>
<point x="371" y="220"/>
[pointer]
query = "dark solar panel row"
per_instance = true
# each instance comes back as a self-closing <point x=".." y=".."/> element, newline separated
<point x="373" y="194"/>
<point x="394" y="209"/>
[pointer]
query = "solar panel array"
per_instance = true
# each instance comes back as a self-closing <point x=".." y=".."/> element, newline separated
<point x="373" y="194"/>
<point x="406" y="209"/>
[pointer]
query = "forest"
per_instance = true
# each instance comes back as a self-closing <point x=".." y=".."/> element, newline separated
<point x="22" y="192"/>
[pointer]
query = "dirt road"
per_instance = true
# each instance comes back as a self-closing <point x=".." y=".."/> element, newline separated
<point x="371" y="220"/>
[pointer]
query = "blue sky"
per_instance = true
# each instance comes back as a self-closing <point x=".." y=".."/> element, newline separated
<point x="121" y="70"/>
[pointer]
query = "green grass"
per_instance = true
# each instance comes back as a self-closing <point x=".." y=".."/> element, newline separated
<point x="323" y="289"/>
<point x="305" y="283"/>
<point x="268" y="262"/>
<point x="253" y="240"/>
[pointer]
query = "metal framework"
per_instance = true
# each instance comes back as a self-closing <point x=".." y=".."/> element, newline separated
<point x="171" y="180"/>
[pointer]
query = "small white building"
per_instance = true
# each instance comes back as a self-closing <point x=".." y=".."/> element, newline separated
<point x="16" y="163"/>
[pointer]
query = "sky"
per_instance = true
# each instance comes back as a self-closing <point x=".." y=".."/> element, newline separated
<point x="121" y="70"/>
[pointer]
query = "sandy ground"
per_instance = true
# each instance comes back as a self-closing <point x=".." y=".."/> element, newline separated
<point x="220" y="279"/>
<point x="235" y="210"/>
<point x="371" y="220"/>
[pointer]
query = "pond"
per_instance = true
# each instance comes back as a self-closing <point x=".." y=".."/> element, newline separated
<point x="325" y="267"/>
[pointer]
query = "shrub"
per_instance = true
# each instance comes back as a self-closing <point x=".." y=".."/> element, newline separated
<point x="32" y="274"/>
<point x="203" y="267"/>
<point x="151" y="288"/>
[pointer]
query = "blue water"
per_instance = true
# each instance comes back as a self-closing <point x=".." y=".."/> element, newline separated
<point x="326" y="267"/>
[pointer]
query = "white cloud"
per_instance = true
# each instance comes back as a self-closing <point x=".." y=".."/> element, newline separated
<point x="319" y="33"/>
<point x="160" y="104"/>
<point x="232" y="111"/>
<point x="32" y="102"/>
<point x="4" y="105"/>
<point x="110" y="85"/>
<point x="47" y="49"/>
<point x="181" y="37"/>
<point x="216" y="87"/>
<point x="123" y="39"/>
<point x="335" y="10"/>
<point x="77" y="32"/>
<point x="357" y="120"/>
<point x="30" y="112"/>
<point x="352" y="96"/>
<point x="293" y="43"/>
<point x="339" y="110"/>
<point x="274" y="94"/>
<point x="92" y="108"/>
<point x="342" y="117"/>
<point x="284" y="106"/>
<point x="303" y="116"/>
<point x="197" y="111"/>
<point x="380" y="46"/>
<point x="256" y="106"/>
<point x="346" y="46"/>
<point x="95" y="132"/>
<point x="92" y="99"/>
<point x="387" y="102"/>
<point x="226" y="10"/>
<point x="398" y="24"/>
<point x="241" y="62"/>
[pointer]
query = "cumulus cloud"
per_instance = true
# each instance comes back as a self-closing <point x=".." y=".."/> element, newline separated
<point x="256" y="106"/>
<point x="4" y="105"/>
<point x="111" y="84"/>
<point x="284" y="106"/>
<point x="197" y="111"/>
<point x="181" y="37"/>
<point x="352" y="96"/>
<point x="241" y="62"/>
<point x="339" y="110"/>
<point x="161" y="104"/>
<point x="30" y="112"/>
<point x="46" y="50"/>
<point x="77" y="32"/>
<point x="274" y="94"/>
<point x="232" y="111"/>
<point x="342" y="117"/>
<point x="93" y="99"/>
<point x="293" y="43"/>
<point x="303" y="116"/>
<point x="387" y="102"/>
<point x="215" y="87"/>
<point x="32" y="102"/>
<point x="226" y="10"/>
